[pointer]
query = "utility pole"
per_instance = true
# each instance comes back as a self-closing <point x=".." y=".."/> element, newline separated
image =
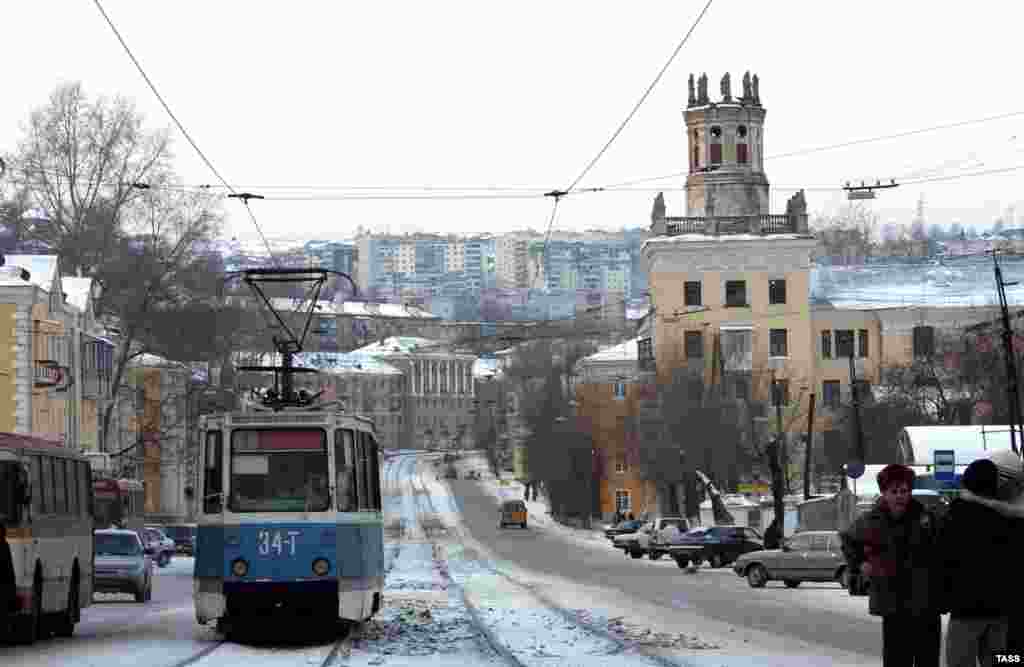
<point x="1011" y="366"/>
<point x="859" y="456"/>
<point x="807" y="450"/>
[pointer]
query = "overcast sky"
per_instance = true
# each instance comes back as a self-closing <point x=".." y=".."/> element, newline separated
<point x="470" y="94"/>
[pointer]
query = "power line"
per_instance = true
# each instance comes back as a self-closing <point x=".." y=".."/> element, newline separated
<point x="177" y="122"/>
<point x="845" y="144"/>
<point x="401" y="197"/>
<point x="642" y="99"/>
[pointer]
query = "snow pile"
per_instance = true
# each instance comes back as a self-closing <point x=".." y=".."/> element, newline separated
<point x="413" y="627"/>
<point x="641" y="636"/>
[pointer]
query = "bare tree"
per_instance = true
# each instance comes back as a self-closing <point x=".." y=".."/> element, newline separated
<point x="847" y="237"/>
<point x="150" y="275"/>
<point x="82" y="163"/>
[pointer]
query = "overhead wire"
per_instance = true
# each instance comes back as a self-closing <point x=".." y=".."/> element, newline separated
<point x="845" y="144"/>
<point x="181" y="127"/>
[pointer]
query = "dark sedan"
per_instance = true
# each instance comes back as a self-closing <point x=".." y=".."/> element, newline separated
<point x="718" y="545"/>
<point x="623" y="528"/>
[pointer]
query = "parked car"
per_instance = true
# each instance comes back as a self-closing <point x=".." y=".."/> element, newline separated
<point x="623" y="528"/>
<point x="157" y="545"/>
<point x="810" y="556"/>
<point x="717" y="545"/>
<point x="121" y="564"/>
<point x="182" y="534"/>
<point x="638" y="543"/>
<point x="513" y="512"/>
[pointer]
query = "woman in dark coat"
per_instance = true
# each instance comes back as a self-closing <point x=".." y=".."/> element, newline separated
<point x="894" y="546"/>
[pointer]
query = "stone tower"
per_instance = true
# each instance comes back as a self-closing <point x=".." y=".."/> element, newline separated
<point x="725" y="141"/>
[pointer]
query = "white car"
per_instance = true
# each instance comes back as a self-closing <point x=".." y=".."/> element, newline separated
<point x="639" y="543"/>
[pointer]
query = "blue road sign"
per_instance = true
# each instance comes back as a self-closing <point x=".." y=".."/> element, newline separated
<point x="855" y="469"/>
<point x="945" y="465"/>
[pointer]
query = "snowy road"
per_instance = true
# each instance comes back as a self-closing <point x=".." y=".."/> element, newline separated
<point x="460" y="591"/>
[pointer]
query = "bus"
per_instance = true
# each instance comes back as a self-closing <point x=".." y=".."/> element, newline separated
<point x="290" y="519"/>
<point x="46" y="505"/>
<point x="119" y="503"/>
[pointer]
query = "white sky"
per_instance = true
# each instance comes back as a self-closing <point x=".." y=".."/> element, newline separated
<point x="466" y="94"/>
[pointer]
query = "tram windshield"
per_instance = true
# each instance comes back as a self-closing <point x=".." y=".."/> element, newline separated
<point x="279" y="470"/>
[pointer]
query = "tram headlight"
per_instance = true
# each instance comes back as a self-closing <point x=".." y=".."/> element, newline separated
<point x="240" y="568"/>
<point x="321" y="567"/>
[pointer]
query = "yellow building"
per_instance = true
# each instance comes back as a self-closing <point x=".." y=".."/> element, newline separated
<point x="731" y="285"/>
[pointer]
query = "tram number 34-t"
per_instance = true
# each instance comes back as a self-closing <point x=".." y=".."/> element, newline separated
<point x="277" y="542"/>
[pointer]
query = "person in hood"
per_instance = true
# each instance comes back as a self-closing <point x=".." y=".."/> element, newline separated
<point x="894" y="546"/>
<point x="1010" y="504"/>
<point x="974" y="540"/>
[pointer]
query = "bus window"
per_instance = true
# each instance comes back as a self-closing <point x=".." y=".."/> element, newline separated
<point x="71" y="483"/>
<point x="365" y="493"/>
<point x="375" y="473"/>
<point x="344" y="470"/>
<point x="37" y="486"/>
<point x="60" y="492"/>
<point x="46" y="489"/>
<point x="85" y="508"/>
<point x="213" y="481"/>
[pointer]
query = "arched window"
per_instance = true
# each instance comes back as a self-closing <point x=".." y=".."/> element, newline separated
<point x="716" y="145"/>
<point x="742" y="155"/>
<point x="695" y="148"/>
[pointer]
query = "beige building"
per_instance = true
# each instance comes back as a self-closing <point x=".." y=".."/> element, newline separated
<point x="731" y="290"/>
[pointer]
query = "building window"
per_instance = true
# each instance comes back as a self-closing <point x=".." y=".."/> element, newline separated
<point x="780" y="392"/>
<point x="622" y="503"/>
<point x="694" y="344"/>
<point x="830" y="393"/>
<point x="826" y="344"/>
<point x="924" y="341"/>
<point x="692" y="293"/>
<point x="776" y="291"/>
<point x="844" y="343"/>
<point x="862" y="343"/>
<point x="620" y="468"/>
<point x="716" y="153"/>
<point x="645" y="354"/>
<point x="620" y="391"/>
<point x="741" y="153"/>
<point x="777" y="343"/>
<point x="741" y="389"/>
<point x="864" y="393"/>
<point x="736" y="293"/>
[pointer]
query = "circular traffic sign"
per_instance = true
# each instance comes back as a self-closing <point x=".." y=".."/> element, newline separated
<point x="855" y="469"/>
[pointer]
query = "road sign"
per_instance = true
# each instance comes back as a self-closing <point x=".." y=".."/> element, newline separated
<point x="855" y="470"/>
<point x="945" y="465"/>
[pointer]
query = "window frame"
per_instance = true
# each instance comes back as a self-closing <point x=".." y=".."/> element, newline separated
<point x="780" y="394"/>
<point x="627" y="506"/>
<point x="841" y="340"/>
<point x="689" y="285"/>
<point x="50" y="504"/>
<point x="620" y="468"/>
<point x="619" y="391"/>
<point x="834" y="400"/>
<point x="777" y="292"/>
<point x="730" y="288"/>
<point x="693" y="335"/>
<point x="826" y="344"/>
<point x="919" y="339"/>
<point x="774" y="345"/>
<point x="863" y="343"/>
<point x="215" y="473"/>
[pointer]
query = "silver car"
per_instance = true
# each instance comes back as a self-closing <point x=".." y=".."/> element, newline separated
<point x="122" y="565"/>
<point x="809" y="556"/>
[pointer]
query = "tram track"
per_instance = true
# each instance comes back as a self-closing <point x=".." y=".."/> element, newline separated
<point x="230" y="653"/>
<point x="456" y="532"/>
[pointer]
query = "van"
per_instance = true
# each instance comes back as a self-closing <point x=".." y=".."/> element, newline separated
<point x="513" y="512"/>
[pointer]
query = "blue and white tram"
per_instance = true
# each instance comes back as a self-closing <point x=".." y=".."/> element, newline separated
<point x="291" y="517"/>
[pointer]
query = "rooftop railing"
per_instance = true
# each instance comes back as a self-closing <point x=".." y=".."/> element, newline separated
<point x="764" y="224"/>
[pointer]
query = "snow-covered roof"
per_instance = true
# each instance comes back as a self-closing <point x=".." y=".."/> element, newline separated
<point x="485" y="368"/>
<point x="723" y="238"/>
<point x="148" y="360"/>
<point x="42" y="268"/>
<point x="354" y="308"/>
<point x="345" y="362"/>
<point x="399" y="345"/>
<point x="77" y="291"/>
<point x="626" y="351"/>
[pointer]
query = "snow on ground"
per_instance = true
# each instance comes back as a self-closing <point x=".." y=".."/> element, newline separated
<point x="538" y="510"/>
<point x="684" y="635"/>
<point x="182" y="566"/>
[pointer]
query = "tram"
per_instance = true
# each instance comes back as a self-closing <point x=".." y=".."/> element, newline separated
<point x="290" y="521"/>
